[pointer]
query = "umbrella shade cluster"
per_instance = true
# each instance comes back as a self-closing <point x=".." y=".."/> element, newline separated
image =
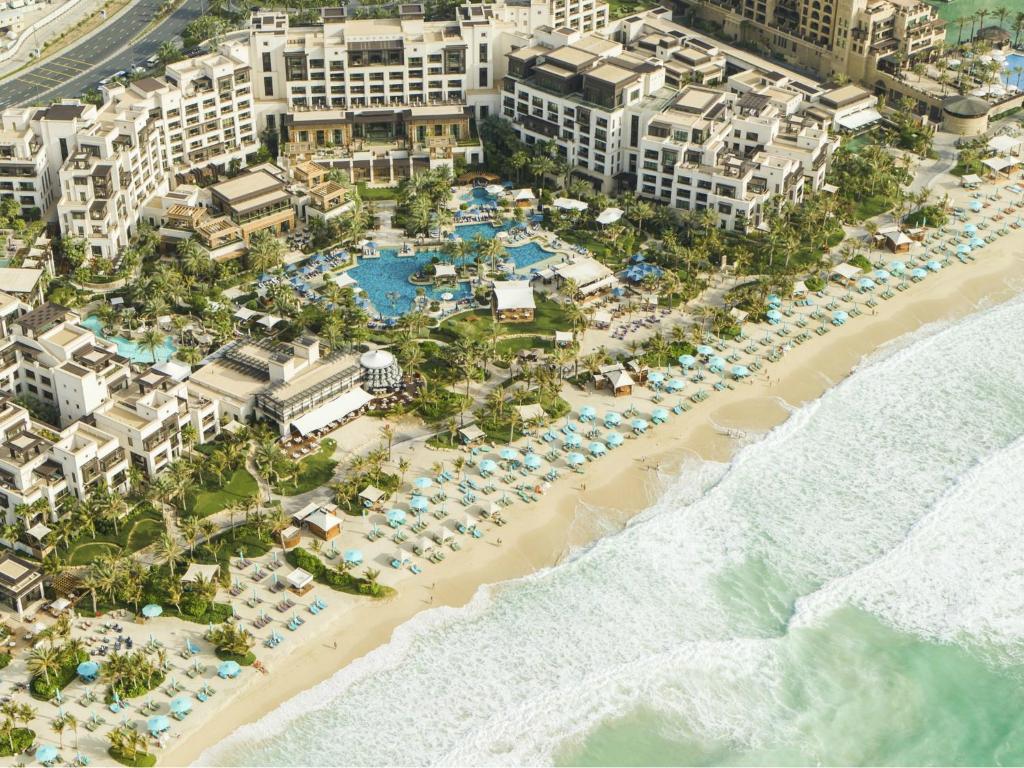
<point x="181" y="705"/>
<point x="419" y="504"/>
<point x="716" y="364"/>
<point x="740" y="371"/>
<point x="395" y="516"/>
<point x="897" y="267"/>
<point x="774" y="316"/>
<point x="597" y="449"/>
<point x="422" y="483"/>
<point x="46" y="754"/>
<point x="675" y="385"/>
<point x="509" y="454"/>
<point x="587" y="413"/>
<point x="656" y="377"/>
<point x="705" y="351"/>
<point x="687" y="361"/>
<point x="614" y="439"/>
<point x="353" y="556"/>
<point x="532" y="461"/>
<point x="572" y="440"/>
<point x="575" y="459"/>
<point x="866" y="284"/>
<point x="933" y="265"/>
<point x="639" y="272"/>
<point x="487" y="466"/>
<point x="229" y="669"/>
<point x="839" y="317"/>
<point x="88" y="670"/>
<point x="612" y="419"/>
<point x="158" y="724"/>
<point x="639" y="425"/>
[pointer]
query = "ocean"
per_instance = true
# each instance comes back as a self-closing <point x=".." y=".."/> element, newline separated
<point x="847" y="590"/>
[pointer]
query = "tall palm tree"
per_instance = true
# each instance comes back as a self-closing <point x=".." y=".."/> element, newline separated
<point x="169" y="550"/>
<point x="151" y="340"/>
<point x="44" y="661"/>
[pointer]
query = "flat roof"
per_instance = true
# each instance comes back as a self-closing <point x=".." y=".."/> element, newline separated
<point x="610" y="73"/>
<point x="19" y="279"/>
<point x="246" y="184"/>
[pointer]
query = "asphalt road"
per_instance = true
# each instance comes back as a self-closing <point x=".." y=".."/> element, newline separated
<point x="108" y="50"/>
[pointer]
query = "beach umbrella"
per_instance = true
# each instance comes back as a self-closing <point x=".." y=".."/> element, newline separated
<point x="88" y="669"/>
<point x="597" y="449"/>
<point x="919" y="273"/>
<point x="353" y="556"/>
<point x="181" y="705"/>
<point x="660" y="414"/>
<point x="419" y="504"/>
<point x="774" y="301"/>
<point x="46" y="754"/>
<point x="839" y="317"/>
<point x="933" y="265"/>
<point x="640" y="425"/>
<point x="615" y="439"/>
<point x="975" y="205"/>
<point x="976" y="242"/>
<point x="970" y="229"/>
<point x="395" y="516"/>
<point x="866" y="284"/>
<point x="705" y="351"/>
<point x="488" y="465"/>
<point x="740" y="371"/>
<point x="716" y="364"/>
<point x="674" y="385"/>
<point x="881" y="275"/>
<point x="228" y="669"/>
<point x="656" y="377"/>
<point x="572" y="440"/>
<point x="509" y="454"/>
<point x="774" y="316"/>
<point x="575" y="459"/>
<point x="897" y="267"/>
<point x="687" y="361"/>
<point x="613" y="418"/>
<point x="963" y="248"/>
<point x="422" y="483"/>
<point x="587" y="413"/>
<point x="152" y="610"/>
<point x="158" y="724"/>
<point x="532" y="461"/>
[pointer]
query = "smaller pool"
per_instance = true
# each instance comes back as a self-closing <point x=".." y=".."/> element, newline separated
<point x="130" y="349"/>
<point x="478" y="195"/>
<point x="1013" y="61"/>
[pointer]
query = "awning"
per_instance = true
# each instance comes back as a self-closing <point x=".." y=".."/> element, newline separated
<point x="569" y="204"/>
<point x="859" y="119"/>
<point x="199" y="570"/>
<point x="970" y="179"/>
<point x="846" y="271"/>
<point x="371" y="494"/>
<point x="738" y="315"/>
<point x="602" y="317"/>
<point x="269" y="321"/>
<point x="337" y="408"/>
<point x="563" y="337"/>
<point x="1004" y="144"/>
<point x="445" y="270"/>
<point x="998" y="163"/>
<point x="606" y="282"/>
<point x="38" y="531"/>
<point x="299" y="578"/>
<point x="609" y="215"/>
<point x="472" y="433"/>
<point x="244" y="314"/>
<point x="530" y="412"/>
<point x="177" y="371"/>
<point x="344" y="280"/>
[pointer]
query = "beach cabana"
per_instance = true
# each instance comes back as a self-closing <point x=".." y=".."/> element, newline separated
<point x="395" y="517"/>
<point x="614" y="439"/>
<point x="597" y="449"/>
<point x="319" y="518"/>
<point x="182" y="705"/>
<point x="740" y="371"/>
<point x="88" y="670"/>
<point x="291" y="537"/>
<point x="299" y="581"/>
<point x="530" y="413"/>
<point x="575" y="459"/>
<point x="353" y="557"/>
<point x="970" y="180"/>
<point x="620" y="382"/>
<point x="471" y="434"/>
<point x="371" y="497"/>
<point x="569" y="204"/>
<point x="231" y="668"/>
<point x="158" y="724"/>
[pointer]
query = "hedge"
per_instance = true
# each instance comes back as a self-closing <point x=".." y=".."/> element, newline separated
<point x="244" y="661"/>
<point x="333" y="578"/>
<point x="23" y="739"/>
<point x="141" y="759"/>
<point x="44" y="691"/>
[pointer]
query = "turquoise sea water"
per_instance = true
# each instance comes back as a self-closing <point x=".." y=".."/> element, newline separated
<point x="848" y="590"/>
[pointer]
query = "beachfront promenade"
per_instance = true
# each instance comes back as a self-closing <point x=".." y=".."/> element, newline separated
<point x="507" y="509"/>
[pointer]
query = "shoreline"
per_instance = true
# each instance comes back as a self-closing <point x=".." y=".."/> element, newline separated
<point x="538" y="536"/>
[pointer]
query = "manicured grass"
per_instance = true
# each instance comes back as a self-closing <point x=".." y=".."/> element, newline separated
<point x="314" y="470"/>
<point x="868" y="207"/>
<point x="140" y="760"/>
<point x="377" y="193"/>
<point x="548" y="318"/>
<point x="209" y="500"/>
<point x="620" y="8"/>
<point x="132" y="535"/>
<point x="517" y="343"/>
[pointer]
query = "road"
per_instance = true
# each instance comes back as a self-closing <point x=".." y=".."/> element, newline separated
<point x="108" y="50"/>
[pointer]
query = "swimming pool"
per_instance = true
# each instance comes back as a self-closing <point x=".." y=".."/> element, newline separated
<point x="130" y="349"/>
<point x="478" y="195"/>
<point x="1013" y="61"/>
<point x="386" y="279"/>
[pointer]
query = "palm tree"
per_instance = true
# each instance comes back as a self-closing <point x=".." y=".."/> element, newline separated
<point x="58" y="725"/>
<point x="189" y="528"/>
<point x="44" y="661"/>
<point x="151" y="340"/>
<point x="169" y="550"/>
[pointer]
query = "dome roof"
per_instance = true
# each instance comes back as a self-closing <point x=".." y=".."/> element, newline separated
<point x="966" y="106"/>
<point x="376" y="359"/>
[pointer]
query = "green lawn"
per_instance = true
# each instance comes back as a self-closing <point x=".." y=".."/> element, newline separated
<point x="548" y="318"/>
<point x="208" y="500"/>
<point x="517" y="343"/>
<point x="377" y="193"/>
<point x="867" y="207"/>
<point x="131" y="536"/>
<point x="314" y="470"/>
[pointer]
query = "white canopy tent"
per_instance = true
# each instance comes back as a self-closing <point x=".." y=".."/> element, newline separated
<point x="999" y="164"/>
<point x="569" y="204"/>
<point x="334" y="410"/>
<point x="970" y="180"/>
<point x="198" y="571"/>
<point x="1005" y="145"/>
<point x="299" y="579"/>
<point x="245" y="314"/>
<point x="512" y="295"/>
<point x="445" y="270"/>
<point x="269" y="321"/>
<point x="345" y="280"/>
<point x="609" y="215"/>
<point x="860" y="119"/>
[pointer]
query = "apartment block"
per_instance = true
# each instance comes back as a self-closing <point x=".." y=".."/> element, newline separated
<point x="147" y="418"/>
<point x="24" y="173"/>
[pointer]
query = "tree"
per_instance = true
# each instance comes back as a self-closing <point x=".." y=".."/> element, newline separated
<point x="151" y="340"/>
<point x="168" y="53"/>
<point x="169" y="550"/>
<point x="45" y="661"/>
<point x="265" y="253"/>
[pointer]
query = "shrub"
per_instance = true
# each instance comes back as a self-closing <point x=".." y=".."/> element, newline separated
<point x="338" y="580"/>
<point x="139" y="760"/>
<point x="243" y="660"/>
<point x="194" y="605"/>
<point x="860" y="260"/>
<point x="5" y="659"/>
<point x="814" y="283"/>
<point x="23" y="738"/>
<point x="40" y="689"/>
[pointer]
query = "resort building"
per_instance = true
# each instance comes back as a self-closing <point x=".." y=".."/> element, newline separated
<point x="21" y="582"/>
<point x="24" y="173"/>
<point x="148" y="417"/>
<point x="254" y="201"/>
<point x="89" y="457"/>
<point x="512" y="301"/>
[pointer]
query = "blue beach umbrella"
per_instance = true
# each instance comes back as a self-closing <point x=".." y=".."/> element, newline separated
<point x="970" y="229"/>
<point x="975" y="205"/>
<point x="716" y="364"/>
<point x="866" y="284"/>
<point x="674" y="385"/>
<point x="881" y="275"/>
<point x="532" y="461"/>
<point x="575" y="459"/>
<point x="740" y="371"/>
<point x="660" y="414"/>
<point x="46" y="754"/>
<point x="181" y="705"/>
<point x="158" y="724"/>
<point x="229" y="669"/>
<point x="640" y="425"/>
<point x="656" y="377"/>
<point x="419" y="504"/>
<point x="509" y="454"/>
<point x="597" y="449"/>
<point x="615" y="439"/>
<point x="774" y="316"/>
<point x="897" y="267"/>
<point x="88" y="669"/>
<point x="963" y="249"/>
<point x="774" y="301"/>
<point x="613" y="418"/>
<point x="933" y="265"/>
<point x="687" y="361"/>
<point x="572" y="440"/>
<point x="705" y="351"/>
<point x="839" y="317"/>
<point x="152" y="610"/>
<point x="353" y="556"/>
<point x="395" y="516"/>
<point x="977" y="242"/>
<point x="587" y="413"/>
<point x="919" y="273"/>
<point x="422" y="482"/>
<point x="488" y="465"/>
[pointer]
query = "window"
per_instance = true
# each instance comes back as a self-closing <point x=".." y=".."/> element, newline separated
<point x="483" y="77"/>
<point x="483" y="53"/>
<point x="268" y="85"/>
<point x="267" y="64"/>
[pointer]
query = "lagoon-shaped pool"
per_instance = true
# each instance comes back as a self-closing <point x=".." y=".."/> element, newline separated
<point x="130" y="349"/>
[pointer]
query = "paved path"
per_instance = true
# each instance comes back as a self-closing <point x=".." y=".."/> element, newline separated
<point x="108" y="50"/>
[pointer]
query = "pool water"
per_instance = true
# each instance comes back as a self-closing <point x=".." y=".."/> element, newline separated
<point x="130" y="349"/>
<point x="1009" y="76"/>
<point x="386" y="279"/>
<point x="478" y="195"/>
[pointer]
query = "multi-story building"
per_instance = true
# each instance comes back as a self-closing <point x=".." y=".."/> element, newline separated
<point x="148" y="416"/>
<point x="24" y="172"/>
<point x="256" y="200"/>
<point x="89" y="457"/>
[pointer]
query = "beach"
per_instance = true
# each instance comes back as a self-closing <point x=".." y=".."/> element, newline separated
<point x="542" y="534"/>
